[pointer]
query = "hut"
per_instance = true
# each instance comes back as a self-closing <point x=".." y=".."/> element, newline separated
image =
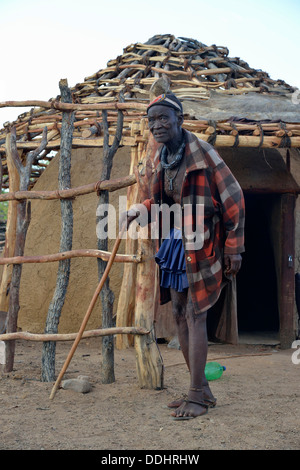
<point x="251" y="119"/>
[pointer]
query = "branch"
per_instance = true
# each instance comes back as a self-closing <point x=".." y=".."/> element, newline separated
<point x="14" y="151"/>
<point x="71" y="336"/>
<point x="35" y="153"/>
<point x="105" y="131"/>
<point x="119" y="130"/>
<point x="109" y="185"/>
<point x="25" y="171"/>
<point x="25" y="220"/>
<point x="105" y="255"/>
<point x="73" y="106"/>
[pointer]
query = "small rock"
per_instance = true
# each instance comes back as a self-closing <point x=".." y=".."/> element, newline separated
<point x="80" y="385"/>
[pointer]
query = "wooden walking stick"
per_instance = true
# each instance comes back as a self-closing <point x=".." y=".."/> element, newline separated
<point x="89" y="311"/>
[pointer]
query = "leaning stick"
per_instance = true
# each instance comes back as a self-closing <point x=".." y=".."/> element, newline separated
<point x="89" y="311"/>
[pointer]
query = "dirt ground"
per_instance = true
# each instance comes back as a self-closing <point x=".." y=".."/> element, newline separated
<point x="258" y="403"/>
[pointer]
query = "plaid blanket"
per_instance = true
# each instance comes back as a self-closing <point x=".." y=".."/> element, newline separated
<point x="210" y="186"/>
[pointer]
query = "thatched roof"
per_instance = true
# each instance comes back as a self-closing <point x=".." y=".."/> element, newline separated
<point x="221" y="96"/>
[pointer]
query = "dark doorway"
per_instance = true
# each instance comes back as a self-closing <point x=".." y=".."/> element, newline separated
<point x="257" y="296"/>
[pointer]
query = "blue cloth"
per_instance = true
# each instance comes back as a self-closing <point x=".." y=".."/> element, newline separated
<point x="170" y="258"/>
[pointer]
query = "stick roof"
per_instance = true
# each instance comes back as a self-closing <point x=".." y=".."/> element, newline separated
<point x="221" y="96"/>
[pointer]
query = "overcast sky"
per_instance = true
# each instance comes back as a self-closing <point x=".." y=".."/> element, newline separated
<point x="44" y="41"/>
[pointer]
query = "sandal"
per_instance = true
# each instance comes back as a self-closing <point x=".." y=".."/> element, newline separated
<point x="179" y="401"/>
<point x="210" y="402"/>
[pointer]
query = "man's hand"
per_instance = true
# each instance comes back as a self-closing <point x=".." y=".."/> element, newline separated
<point x="130" y="215"/>
<point x="232" y="264"/>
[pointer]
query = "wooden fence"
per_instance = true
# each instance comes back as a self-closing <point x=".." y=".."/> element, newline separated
<point x="149" y="362"/>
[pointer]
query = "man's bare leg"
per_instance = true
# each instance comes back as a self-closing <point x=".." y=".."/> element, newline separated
<point x="179" y="304"/>
<point x="192" y="336"/>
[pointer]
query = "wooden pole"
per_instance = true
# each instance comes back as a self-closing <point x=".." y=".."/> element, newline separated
<point x="70" y="107"/>
<point x="108" y="185"/>
<point x="272" y="141"/>
<point x="107" y="295"/>
<point x="127" y="258"/>
<point x="88" y="313"/>
<point x="78" y="142"/>
<point x="10" y="235"/>
<point x="148" y="358"/>
<point x="288" y="327"/>
<point x="26" y="336"/>
<point x="268" y="141"/>
<point x="23" y="219"/>
<point x="126" y="302"/>
<point x="63" y="272"/>
<point x="142" y="190"/>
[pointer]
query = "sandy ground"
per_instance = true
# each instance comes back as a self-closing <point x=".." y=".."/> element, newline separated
<point x="258" y="403"/>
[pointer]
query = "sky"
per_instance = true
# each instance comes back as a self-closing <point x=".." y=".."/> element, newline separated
<point x="43" y="42"/>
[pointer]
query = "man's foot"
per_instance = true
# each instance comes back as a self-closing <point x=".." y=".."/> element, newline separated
<point x="177" y="403"/>
<point x="189" y="410"/>
<point x="207" y="398"/>
<point x="196" y="404"/>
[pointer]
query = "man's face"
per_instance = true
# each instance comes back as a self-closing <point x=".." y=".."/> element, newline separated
<point x="164" y="124"/>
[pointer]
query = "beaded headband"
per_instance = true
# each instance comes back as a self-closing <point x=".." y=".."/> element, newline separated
<point x="167" y="100"/>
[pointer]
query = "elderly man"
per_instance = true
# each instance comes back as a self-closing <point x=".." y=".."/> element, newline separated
<point x="194" y="258"/>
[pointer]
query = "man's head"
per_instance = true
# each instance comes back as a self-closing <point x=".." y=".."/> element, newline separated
<point x="168" y="100"/>
<point x="165" y="117"/>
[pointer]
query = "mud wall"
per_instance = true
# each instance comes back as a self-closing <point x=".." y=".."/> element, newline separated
<point x="39" y="280"/>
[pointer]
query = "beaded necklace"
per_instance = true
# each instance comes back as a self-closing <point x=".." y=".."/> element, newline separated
<point x="173" y="164"/>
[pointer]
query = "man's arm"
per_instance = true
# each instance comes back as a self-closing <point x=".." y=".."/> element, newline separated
<point x="233" y="213"/>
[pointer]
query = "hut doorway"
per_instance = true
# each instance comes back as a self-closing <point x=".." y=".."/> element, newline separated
<point x="265" y="284"/>
<point x="257" y="285"/>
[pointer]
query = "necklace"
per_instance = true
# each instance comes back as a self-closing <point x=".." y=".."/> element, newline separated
<point x="169" y="166"/>
<point x="171" y="187"/>
<point x="177" y="159"/>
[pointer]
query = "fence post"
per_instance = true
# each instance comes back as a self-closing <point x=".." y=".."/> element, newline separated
<point x="64" y="182"/>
